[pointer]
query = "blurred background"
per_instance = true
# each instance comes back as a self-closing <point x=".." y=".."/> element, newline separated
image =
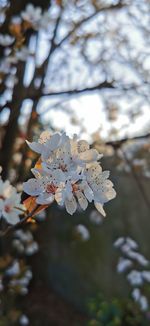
<point x="79" y="66"/>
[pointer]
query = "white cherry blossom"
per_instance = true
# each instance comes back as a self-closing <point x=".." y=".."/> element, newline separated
<point x="6" y="40"/>
<point x="32" y="15"/>
<point x="123" y="264"/>
<point x="135" y="277"/>
<point x="83" y="232"/>
<point x="9" y="203"/>
<point x="70" y="174"/>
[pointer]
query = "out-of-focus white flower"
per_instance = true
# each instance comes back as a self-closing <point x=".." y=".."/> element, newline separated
<point x="24" y="320"/>
<point x="23" y="54"/>
<point x="125" y="248"/>
<point x="24" y="243"/>
<point x="83" y="232"/>
<point x="14" y="269"/>
<point x="21" y="282"/>
<point x="138" y="257"/>
<point x="31" y="249"/>
<point x="119" y="242"/>
<point x="143" y="303"/>
<point x="11" y="81"/>
<point x="45" y="20"/>
<point x="146" y="275"/>
<point x="123" y="264"/>
<point x="95" y="217"/>
<point x="6" y="40"/>
<point x="70" y="173"/>
<point x="9" y="203"/>
<point x="135" y="277"/>
<point x="132" y="244"/>
<point x="32" y="15"/>
<point x="136" y="294"/>
<point x="141" y="299"/>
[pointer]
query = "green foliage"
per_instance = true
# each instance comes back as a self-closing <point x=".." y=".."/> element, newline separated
<point x="116" y="313"/>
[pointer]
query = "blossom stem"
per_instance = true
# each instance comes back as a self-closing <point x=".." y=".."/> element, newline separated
<point x="20" y="209"/>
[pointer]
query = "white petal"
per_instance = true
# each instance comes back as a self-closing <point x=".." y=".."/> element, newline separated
<point x="88" y="192"/>
<point x="59" y="176"/>
<point x="12" y="218"/>
<point x="83" y="232"/>
<point x="89" y="155"/>
<point x="82" y="200"/>
<point x="136" y="294"/>
<point x="45" y="199"/>
<point x="44" y="137"/>
<point x="71" y="205"/>
<point x="143" y="303"/>
<point x="119" y="242"/>
<point x="59" y="197"/>
<point x="32" y="187"/>
<point x="53" y="142"/>
<point x="100" y="209"/>
<point x="36" y="147"/>
<point x="83" y="146"/>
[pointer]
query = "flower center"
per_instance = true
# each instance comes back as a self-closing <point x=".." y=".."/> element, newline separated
<point x="63" y="167"/>
<point x="51" y="188"/>
<point x="75" y="187"/>
<point x="7" y="209"/>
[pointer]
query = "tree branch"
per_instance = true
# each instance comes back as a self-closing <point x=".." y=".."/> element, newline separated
<point x="100" y="86"/>
<point x="85" y="20"/>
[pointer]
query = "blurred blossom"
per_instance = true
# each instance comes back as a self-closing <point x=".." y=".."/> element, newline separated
<point x="21" y="281"/>
<point x="139" y="258"/>
<point x="10" y="207"/>
<point x="143" y="303"/>
<point x="119" y="242"/>
<point x="136" y="294"/>
<point x="95" y="217"/>
<point x="24" y="243"/>
<point x="6" y="40"/>
<point x="32" y="14"/>
<point x="123" y="264"/>
<point x="83" y="232"/>
<point x="24" y="320"/>
<point x="146" y="275"/>
<point x="14" y="269"/>
<point x="132" y="244"/>
<point x="142" y="300"/>
<point x="17" y="157"/>
<point x="135" y="278"/>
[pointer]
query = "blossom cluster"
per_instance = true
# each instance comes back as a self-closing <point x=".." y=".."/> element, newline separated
<point x="69" y="172"/>
<point x="132" y="262"/>
<point x="19" y="280"/>
<point x="17" y="276"/>
<point x="35" y="18"/>
<point x="137" y="153"/>
<point x="10" y="203"/>
<point x="32" y="17"/>
<point x="24" y="243"/>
